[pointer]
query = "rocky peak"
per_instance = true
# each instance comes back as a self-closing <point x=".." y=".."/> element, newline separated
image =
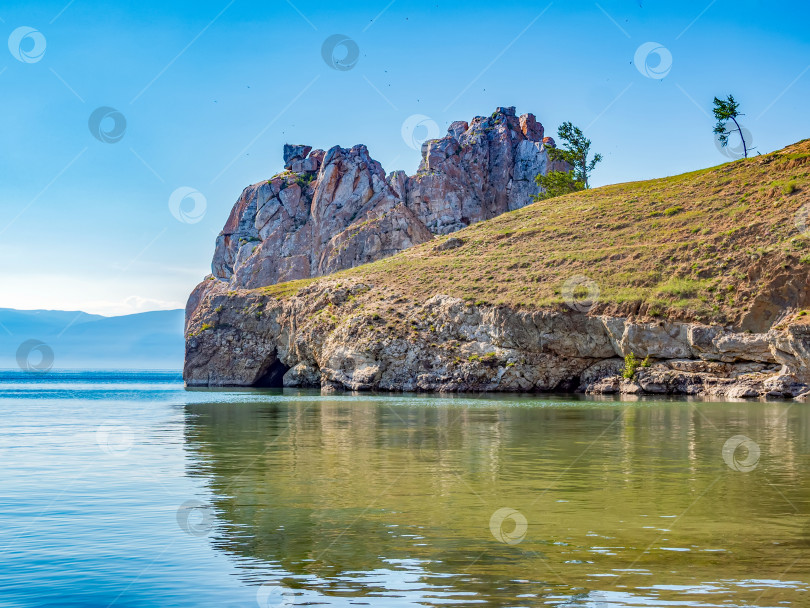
<point x="530" y="128"/>
<point x="478" y="170"/>
<point x="294" y="152"/>
<point x="335" y="209"/>
<point x="295" y="159"/>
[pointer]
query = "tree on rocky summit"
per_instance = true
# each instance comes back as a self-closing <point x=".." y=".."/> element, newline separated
<point x="725" y="110"/>
<point x="574" y="151"/>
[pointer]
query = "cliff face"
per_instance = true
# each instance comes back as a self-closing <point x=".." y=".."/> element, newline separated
<point x="352" y="336"/>
<point x="337" y="209"/>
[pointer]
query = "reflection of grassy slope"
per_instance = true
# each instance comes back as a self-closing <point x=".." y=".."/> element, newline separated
<point x="698" y="245"/>
<point x="328" y="489"/>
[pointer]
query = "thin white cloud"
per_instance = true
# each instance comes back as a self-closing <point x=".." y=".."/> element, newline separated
<point x="129" y="306"/>
<point x="109" y="296"/>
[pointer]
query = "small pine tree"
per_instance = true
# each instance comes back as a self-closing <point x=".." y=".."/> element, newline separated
<point x="725" y="110"/>
<point x="575" y="151"/>
<point x="557" y="183"/>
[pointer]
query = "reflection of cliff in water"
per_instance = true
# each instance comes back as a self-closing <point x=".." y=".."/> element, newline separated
<point x="332" y="488"/>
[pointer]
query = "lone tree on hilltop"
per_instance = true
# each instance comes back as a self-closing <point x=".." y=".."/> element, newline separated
<point x="575" y="151"/>
<point x="725" y="110"/>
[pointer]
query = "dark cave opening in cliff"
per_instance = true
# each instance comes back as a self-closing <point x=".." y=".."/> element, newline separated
<point x="273" y="376"/>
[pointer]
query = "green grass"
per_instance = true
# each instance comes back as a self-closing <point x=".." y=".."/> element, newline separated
<point x="681" y="288"/>
<point x="282" y="290"/>
<point x="789" y="188"/>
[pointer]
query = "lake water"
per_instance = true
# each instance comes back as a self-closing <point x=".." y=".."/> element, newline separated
<point x="123" y="489"/>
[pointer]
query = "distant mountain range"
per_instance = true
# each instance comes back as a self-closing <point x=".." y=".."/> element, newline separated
<point x="78" y="340"/>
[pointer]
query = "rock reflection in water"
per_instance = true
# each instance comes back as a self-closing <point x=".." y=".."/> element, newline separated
<point x="346" y="497"/>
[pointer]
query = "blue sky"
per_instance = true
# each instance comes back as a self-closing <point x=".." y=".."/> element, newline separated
<point x="210" y="91"/>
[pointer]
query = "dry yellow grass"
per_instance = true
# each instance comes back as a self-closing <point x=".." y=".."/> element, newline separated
<point x="701" y="245"/>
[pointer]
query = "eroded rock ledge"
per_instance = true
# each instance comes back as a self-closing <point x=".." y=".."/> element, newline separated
<point x="352" y="336"/>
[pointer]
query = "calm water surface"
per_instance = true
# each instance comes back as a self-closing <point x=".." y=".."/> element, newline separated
<point x="123" y="489"/>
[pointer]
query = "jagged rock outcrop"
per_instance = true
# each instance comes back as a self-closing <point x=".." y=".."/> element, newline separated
<point x="479" y="170"/>
<point x="335" y="209"/>
<point x="356" y="337"/>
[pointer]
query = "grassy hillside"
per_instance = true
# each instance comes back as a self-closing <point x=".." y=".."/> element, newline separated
<point x="709" y="245"/>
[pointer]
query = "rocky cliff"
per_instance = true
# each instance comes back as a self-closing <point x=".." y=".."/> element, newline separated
<point x="353" y="336"/>
<point x="703" y="279"/>
<point x="336" y="209"/>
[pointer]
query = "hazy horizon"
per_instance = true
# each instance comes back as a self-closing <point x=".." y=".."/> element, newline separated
<point x="106" y="316"/>
<point x="39" y="341"/>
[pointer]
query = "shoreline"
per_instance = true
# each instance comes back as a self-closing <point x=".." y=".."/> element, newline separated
<point x="354" y="337"/>
<point x="315" y="393"/>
